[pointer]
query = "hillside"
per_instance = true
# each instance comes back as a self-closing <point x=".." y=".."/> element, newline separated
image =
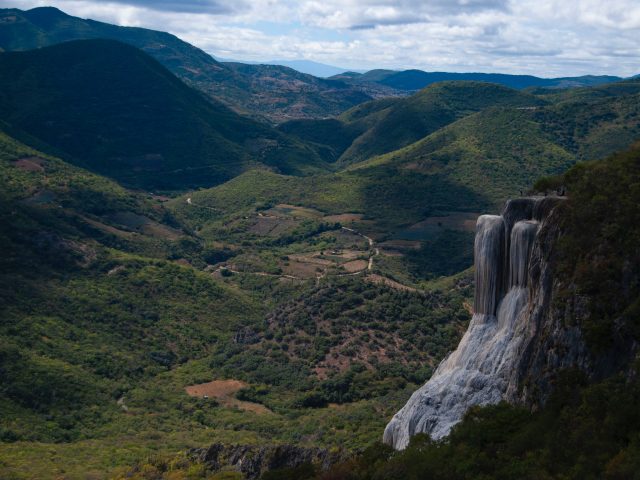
<point x="111" y="308"/>
<point x="274" y="93"/>
<point x="418" y="202"/>
<point x="280" y="93"/>
<point x="112" y="108"/>
<point x="385" y="125"/>
<point x="495" y="153"/>
<point x="589" y="426"/>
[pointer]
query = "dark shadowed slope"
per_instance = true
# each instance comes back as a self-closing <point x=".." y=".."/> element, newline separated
<point x="114" y="109"/>
<point x="275" y="93"/>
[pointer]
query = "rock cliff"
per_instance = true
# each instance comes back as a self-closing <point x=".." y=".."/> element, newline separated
<point x="519" y="336"/>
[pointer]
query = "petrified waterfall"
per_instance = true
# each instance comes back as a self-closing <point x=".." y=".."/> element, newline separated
<point x="479" y="371"/>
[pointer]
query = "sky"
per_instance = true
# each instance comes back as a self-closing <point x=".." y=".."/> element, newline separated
<point x="547" y="38"/>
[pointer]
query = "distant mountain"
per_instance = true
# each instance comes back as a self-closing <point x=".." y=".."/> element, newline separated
<point x="282" y="93"/>
<point x="310" y="67"/>
<point x="410" y="80"/>
<point x="112" y="108"/>
<point x="289" y="95"/>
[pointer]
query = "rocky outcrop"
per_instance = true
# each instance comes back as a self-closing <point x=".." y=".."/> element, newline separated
<point x="252" y="461"/>
<point x="518" y="338"/>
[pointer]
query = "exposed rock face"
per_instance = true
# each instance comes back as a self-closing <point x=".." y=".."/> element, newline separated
<point x="253" y="461"/>
<point x="517" y="338"/>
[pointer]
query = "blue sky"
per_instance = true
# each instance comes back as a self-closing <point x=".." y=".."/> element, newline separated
<point x="541" y="37"/>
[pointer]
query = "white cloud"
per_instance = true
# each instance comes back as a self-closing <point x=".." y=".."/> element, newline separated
<point x="542" y="37"/>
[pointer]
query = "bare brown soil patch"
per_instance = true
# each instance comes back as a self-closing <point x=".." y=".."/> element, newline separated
<point x="355" y="266"/>
<point x="215" y="388"/>
<point x="345" y="254"/>
<point x="224" y="392"/>
<point x="294" y="211"/>
<point x="304" y="269"/>
<point x="311" y="258"/>
<point x="31" y="164"/>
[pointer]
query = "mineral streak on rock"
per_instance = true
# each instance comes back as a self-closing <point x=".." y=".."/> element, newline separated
<point x="487" y="367"/>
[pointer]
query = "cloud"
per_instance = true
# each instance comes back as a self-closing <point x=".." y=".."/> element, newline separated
<point x="541" y="37"/>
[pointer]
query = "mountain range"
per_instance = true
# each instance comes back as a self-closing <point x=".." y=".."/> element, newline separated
<point x="310" y="67"/>
<point x="273" y="93"/>
<point x="412" y="80"/>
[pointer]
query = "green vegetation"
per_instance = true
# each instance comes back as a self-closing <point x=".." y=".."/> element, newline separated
<point x="444" y="255"/>
<point x="267" y="92"/>
<point x="587" y="429"/>
<point x="600" y="247"/>
<point x="146" y="128"/>
<point x="323" y="298"/>
<point x="106" y="321"/>
<point x="354" y="335"/>
<point x="386" y="125"/>
<point x="584" y="432"/>
<point x="496" y="153"/>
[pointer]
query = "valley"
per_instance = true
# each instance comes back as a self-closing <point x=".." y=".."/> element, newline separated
<point x="201" y="253"/>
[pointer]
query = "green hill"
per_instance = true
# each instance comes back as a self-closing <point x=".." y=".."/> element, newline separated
<point x="495" y="153"/>
<point x="385" y="125"/>
<point x="112" y="108"/>
<point x="263" y="91"/>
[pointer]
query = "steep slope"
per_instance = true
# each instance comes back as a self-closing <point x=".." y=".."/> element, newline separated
<point x="84" y="303"/>
<point x="496" y="152"/>
<point x="578" y="353"/>
<point x="45" y="26"/>
<point x="595" y="122"/>
<point x="518" y="339"/>
<point x="388" y="124"/>
<point x="274" y="93"/>
<point x="114" y="109"/>
<point x="499" y="151"/>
